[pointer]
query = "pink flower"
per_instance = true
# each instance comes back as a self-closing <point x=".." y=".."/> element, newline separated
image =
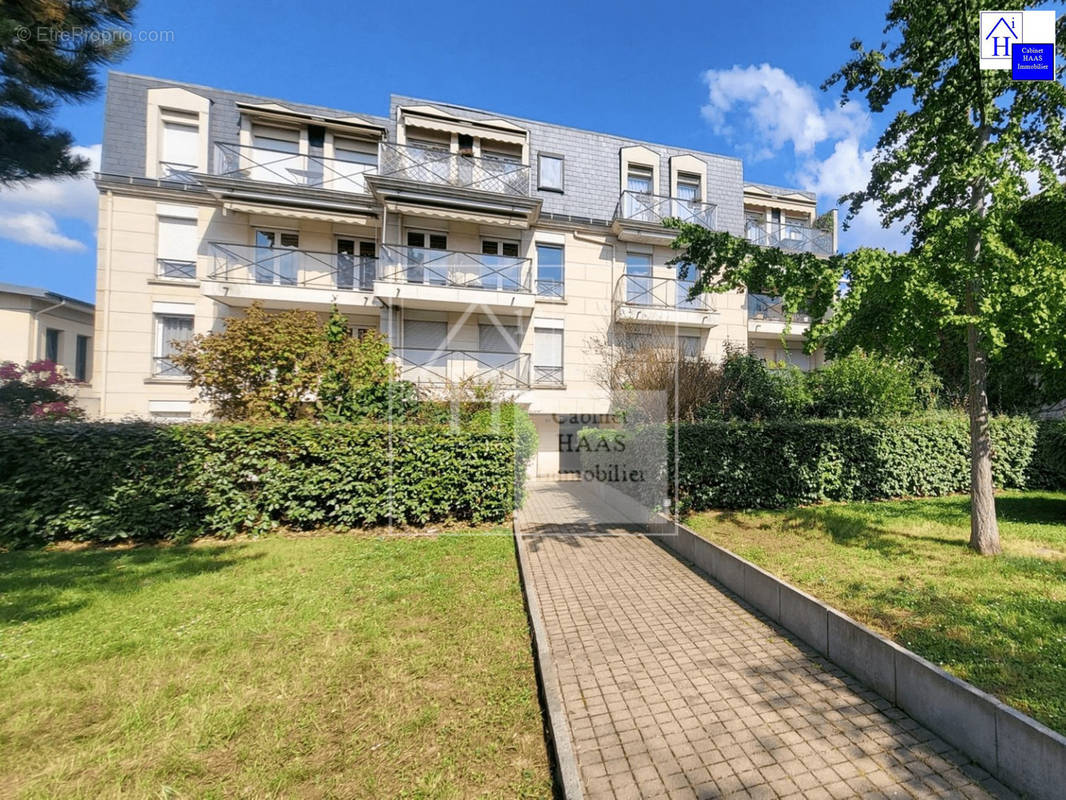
<point x="10" y="371"/>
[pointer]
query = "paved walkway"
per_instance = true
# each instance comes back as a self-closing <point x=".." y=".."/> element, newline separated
<point x="673" y="688"/>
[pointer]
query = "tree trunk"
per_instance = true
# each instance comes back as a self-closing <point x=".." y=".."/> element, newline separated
<point x="984" y="530"/>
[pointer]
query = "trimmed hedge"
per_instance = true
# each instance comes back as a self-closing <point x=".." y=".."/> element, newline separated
<point x="111" y="482"/>
<point x="779" y="464"/>
<point x="1048" y="470"/>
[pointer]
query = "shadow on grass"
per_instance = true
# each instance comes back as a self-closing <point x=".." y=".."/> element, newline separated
<point x="1032" y="509"/>
<point x="41" y="584"/>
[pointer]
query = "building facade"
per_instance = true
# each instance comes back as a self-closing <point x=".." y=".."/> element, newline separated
<point x="39" y="325"/>
<point x="486" y="247"/>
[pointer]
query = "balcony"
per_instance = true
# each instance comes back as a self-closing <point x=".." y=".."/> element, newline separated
<point x="288" y="278"/>
<point x="444" y="185"/>
<point x="290" y="169"/>
<point x="418" y="277"/>
<point x="442" y="367"/>
<point x="766" y="315"/>
<point x="444" y="168"/>
<point x="790" y="236"/>
<point x="662" y="301"/>
<point x="638" y="217"/>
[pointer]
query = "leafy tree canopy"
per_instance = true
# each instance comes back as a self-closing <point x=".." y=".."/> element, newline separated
<point x="49" y="52"/>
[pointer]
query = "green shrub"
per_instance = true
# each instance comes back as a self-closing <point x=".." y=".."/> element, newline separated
<point x="1048" y="468"/>
<point x="750" y="390"/>
<point x="783" y="463"/>
<point x="109" y="482"/>
<point x="871" y="386"/>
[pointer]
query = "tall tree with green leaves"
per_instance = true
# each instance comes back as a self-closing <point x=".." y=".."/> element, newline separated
<point x="951" y="167"/>
<point x="49" y="52"/>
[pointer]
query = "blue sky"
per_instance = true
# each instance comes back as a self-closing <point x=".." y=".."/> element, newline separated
<point x="735" y="78"/>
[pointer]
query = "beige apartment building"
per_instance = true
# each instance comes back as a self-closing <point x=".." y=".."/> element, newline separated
<point x="36" y="325"/>
<point x="484" y="246"/>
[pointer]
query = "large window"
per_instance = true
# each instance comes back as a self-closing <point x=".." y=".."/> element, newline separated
<point x="171" y="330"/>
<point x="425" y="261"/>
<point x="81" y="358"/>
<point x="548" y="356"/>
<point x="51" y="344"/>
<point x="176" y="248"/>
<point x="550" y="271"/>
<point x="638" y="279"/>
<point x="276" y="155"/>
<point x="356" y="264"/>
<point x="179" y="151"/>
<point x="276" y="257"/>
<point x="550" y="172"/>
<point x="354" y="159"/>
<point x="502" y="270"/>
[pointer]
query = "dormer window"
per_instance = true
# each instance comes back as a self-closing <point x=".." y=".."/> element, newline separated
<point x="689" y="188"/>
<point x="179" y="148"/>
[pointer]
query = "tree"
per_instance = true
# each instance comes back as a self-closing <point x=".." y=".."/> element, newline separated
<point x="951" y="166"/>
<point x="38" y="391"/>
<point x="48" y="53"/>
<point x="286" y="366"/>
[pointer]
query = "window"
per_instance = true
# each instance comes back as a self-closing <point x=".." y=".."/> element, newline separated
<point x="353" y="159"/>
<point x="275" y="156"/>
<point x="638" y="279"/>
<point x="498" y="338"/>
<point x="548" y="356"/>
<point x="689" y="346"/>
<point x="425" y="262"/>
<point x="176" y="245"/>
<point x="550" y="273"/>
<point x="171" y="330"/>
<point x="502" y="269"/>
<point x="179" y="152"/>
<point x="51" y="345"/>
<point x="276" y="257"/>
<point x="423" y="345"/>
<point x="639" y="204"/>
<point x="81" y="358"/>
<point x="638" y="179"/>
<point x="356" y="265"/>
<point x="688" y="187"/>
<point x="755" y="228"/>
<point x="550" y="172"/>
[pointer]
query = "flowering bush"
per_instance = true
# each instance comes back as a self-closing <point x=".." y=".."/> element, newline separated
<point x="38" y="391"/>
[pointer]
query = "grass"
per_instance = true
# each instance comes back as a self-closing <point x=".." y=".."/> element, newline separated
<point x="903" y="568"/>
<point x="315" y="666"/>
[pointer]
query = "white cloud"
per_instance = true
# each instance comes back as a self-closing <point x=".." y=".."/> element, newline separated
<point x="30" y="212"/>
<point x="36" y="228"/>
<point x="779" y="110"/>
<point x="763" y="111"/>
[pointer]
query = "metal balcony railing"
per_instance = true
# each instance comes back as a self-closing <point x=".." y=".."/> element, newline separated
<point x="403" y="264"/>
<point x="242" y="263"/>
<point x="668" y="293"/>
<point x="163" y="367"/>
<point x="178" y="173"/>
<point x="176" y="269"/>
<point x="653" y="208"/>
<point x="771" y="309"/>
<point x="294" y="169"/>
<point x="551" y="287"/>
<point x="547" y="376"/>
<point x="790" y="236"/>
<point x="444" y="168"/>
<point x="439" y="367"/>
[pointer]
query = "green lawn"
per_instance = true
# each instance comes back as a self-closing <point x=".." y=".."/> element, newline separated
<point x="902" y="567"/>
<point x="316" y="666"/>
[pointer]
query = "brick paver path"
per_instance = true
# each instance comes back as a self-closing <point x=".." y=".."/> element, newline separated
<point x="674" y="688"/>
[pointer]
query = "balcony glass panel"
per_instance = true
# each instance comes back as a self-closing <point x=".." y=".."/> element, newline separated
<point x="665" y="293"/>
<point x="241" y="263"/>
<point x="284" y="166"/>
<point x="651" y="208"/>
<point x="432" y="165"/>
<point x="407" y="264"/>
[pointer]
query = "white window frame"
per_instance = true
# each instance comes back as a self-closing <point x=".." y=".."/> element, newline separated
<point x="159" y="312"/>
<point x="561" y="188"/>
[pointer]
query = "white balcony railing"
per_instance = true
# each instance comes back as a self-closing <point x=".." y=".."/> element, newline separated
<point x="662" y="293"/>
<point x="439" y="367"/>
<point x="653" y="208"/>
<point x="790" y="236"/>
<point x="241" y="263"/>
<point x="444" y="168"/>
<point x="403" y="264"/>
<point x="294" y="169"/>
